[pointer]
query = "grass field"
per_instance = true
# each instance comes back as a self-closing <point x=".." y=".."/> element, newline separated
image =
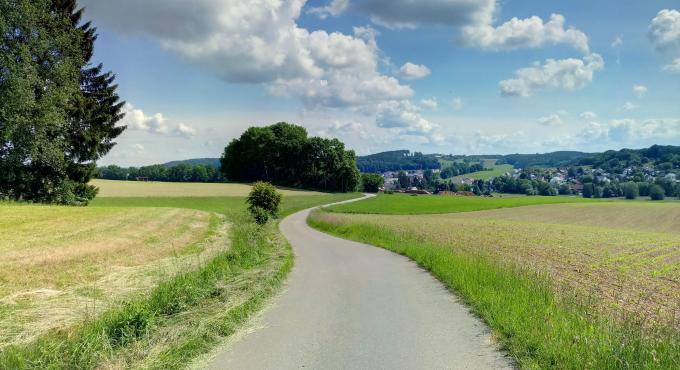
<point x="137" y="281"/>
<point x="427" y="204"/>
<point x="582" y="285"/>
<point x="117" y="189"/>
<point x="496" y="171"/>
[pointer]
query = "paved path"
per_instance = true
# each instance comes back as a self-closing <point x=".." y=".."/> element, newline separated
<point x="352" y="306"/>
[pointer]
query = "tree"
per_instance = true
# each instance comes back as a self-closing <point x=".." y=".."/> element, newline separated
<point x="631" y="190"/>
<point x="656" y="192"/>
<point x="404" y="180"/>
<point x="264" y="202"/>
<point x="283" y="154"/>
<point x="57" y="113"/>
<point x="372" y="182"/>
<point x="588" y="190"/>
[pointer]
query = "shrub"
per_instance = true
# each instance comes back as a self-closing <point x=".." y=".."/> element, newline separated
<point x="372" y="182"/>
<point x="656" y="192"/>
<point x="631" y="190"/>
<point x="588" y="190"/>
<point x="263" y="202"/>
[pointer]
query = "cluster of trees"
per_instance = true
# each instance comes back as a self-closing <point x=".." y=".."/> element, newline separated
<point x="461" y="168"/>
<point x="658" y="190"/>
<point x="510" y="185"/>
<point x="284" y="155"/>
<point x="664" y="158"/>
<point x="397" y="160"/>
<point x="372" y="182"/>
<point x="179" y="173"/>
<point x="58" y="112"/>
<point x="555" y="159"/>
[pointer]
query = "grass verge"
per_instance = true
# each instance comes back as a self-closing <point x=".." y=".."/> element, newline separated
<point x="537" y="327"/>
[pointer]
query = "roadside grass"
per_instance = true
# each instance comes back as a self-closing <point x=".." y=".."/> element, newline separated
<point x="188" y="313"/>
<point x="537" y="322"/>
<point x="430" y="204"/>
<point x="55" y="260"/>
<point x="118" y="189"/>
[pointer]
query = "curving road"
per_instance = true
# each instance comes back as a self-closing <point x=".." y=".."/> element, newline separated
<point x="353" y="306"/>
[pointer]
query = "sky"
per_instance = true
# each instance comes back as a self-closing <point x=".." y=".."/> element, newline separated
<point x="436" y="76"/>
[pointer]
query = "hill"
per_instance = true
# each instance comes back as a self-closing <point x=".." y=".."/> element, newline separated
<point x="210" y="162"/>
<point x="554" y="159"/>
<point x="397" y="160"/>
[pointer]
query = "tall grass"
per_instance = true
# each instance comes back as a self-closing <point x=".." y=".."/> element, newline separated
<point x="537" y="327"/>
<point x="91" y="343"/>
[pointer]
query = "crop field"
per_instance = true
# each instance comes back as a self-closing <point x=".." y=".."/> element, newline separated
<point x="533" y="273"/>
<point x="407" y="204"/>
<point x="136" y="281"/>
<point x="113" y="188"/>
<point x="59" y="264"/>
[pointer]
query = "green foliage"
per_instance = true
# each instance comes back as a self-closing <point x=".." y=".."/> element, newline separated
<point x="631" y="190"/>
<point x="432" y="204"/>
<point x="656" y="192"/>
<point x="283" y="155"/>
<point x="397" y="160"/>
<point x="588" y="190"/>
<point x="264" y="202"/>
<point x="181" y="172"/>
<point x="372" y="182"/>
<point x="57" y="113"/>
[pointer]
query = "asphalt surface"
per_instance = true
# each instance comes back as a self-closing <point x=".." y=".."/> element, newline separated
<point x="348" y="305"/>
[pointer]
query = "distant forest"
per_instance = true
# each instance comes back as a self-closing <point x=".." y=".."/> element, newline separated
<point x="397" y="160"/>
<point x="181" y="172"/>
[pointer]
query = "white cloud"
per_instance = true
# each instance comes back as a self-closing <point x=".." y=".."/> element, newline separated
<point x="631" y="132"/>
<point x="664" y="31"/>
<point x="639" y="90"/>
<point x="259" y="41"/>
<point x="531" y="32"/>
<point x="629" y="106"/>
<point x="340" y="130"/>
<point x="618" y="42"/>
<point x="673" y="67"/>
<point x="566" y="74"/>
<point x="410" y="71"/>
<point x="550" y="120"/>
<point x="185" y="130"/>
<point x="457" y="103"/>
<point x="429" y="103"/>
<point x="405" y="118"/>
<point x="588" y="116"/>
<point x="136" y="119"/>
<point x="475" y="20"/>
<point x="333" y="9"/>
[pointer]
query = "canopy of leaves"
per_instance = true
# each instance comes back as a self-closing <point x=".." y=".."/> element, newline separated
<point x="284" y="155"/>
<point x="397" y="160"/>
<point x="372" y="182"/>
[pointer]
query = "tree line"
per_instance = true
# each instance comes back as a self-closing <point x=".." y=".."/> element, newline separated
<point x="284" y="155"/>
<point x="397" y="160"/>
<point x="179" y="173"/>
<point x="58" y="111"/>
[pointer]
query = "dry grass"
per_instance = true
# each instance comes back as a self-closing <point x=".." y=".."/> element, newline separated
<point x="625" y="255"/>
<point x="110" y="188"/>
<point x="59" y="265"/>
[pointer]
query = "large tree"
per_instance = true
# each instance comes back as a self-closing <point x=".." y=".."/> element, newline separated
<point x="58" y="112"/>
<point x="283" y="154"/>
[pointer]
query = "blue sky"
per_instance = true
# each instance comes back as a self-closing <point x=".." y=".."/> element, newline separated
<point x="446" y="76"/>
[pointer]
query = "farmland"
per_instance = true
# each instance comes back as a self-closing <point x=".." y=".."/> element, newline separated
<point x="546" y="274"/>
<point x="187" y="271"/>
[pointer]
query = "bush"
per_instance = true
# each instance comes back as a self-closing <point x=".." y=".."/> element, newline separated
<point x="656" y="192"/>
<point x="264" y="202"/>
<point x="631" y="190"/>
<point x="372" y="182"/>
<point x="588" y="190"/>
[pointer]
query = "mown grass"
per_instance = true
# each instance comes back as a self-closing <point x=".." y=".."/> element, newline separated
<point x="118" y="189"/>
<point x="398" y="204"/>
<point x="537" y="326"/>
<point x="185" y="315"/>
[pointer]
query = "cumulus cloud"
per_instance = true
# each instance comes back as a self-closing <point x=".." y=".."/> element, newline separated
<point x="333" y="9"/>
<point x="531" y="32"/>
<point x="664" y="31"/>
<point x="631" y="132"/>
<point x="410" y="71"/>
<point x="475" y="21"/>
<point x="629" y="106"/>
<point x="639" y="90"/>
<point x="345" y="129"/>
<point x="588" y="116"/>
<point x="405" y="118"/>
<point x="550" y="120"/>
<point x="566" y="74"/>
<point x="457" y="103"/>
<point x="429" y="103"/>
<point x="673" y="67"/>
<point x="135" y="119"/>
<point x="259" y="41"/>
